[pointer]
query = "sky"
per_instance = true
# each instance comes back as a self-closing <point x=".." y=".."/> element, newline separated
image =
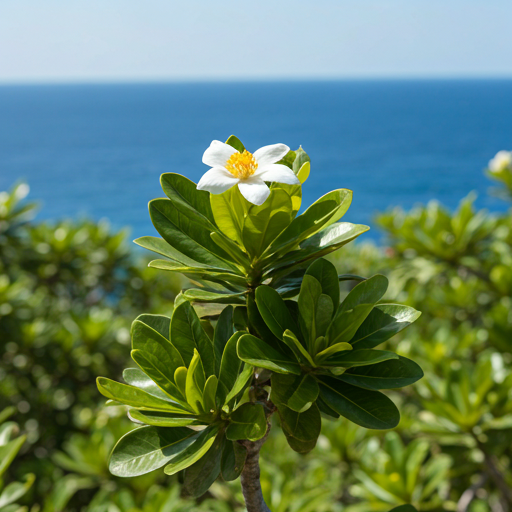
<point x="167" y="40"/>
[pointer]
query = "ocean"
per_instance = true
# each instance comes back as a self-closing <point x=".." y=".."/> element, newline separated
<point x="97" y="150"/>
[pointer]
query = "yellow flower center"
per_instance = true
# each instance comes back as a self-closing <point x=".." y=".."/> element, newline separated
<point x="242" y="165"/>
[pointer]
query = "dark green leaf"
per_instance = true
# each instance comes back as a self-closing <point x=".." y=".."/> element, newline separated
<point x="298" y="392"/>
<point x="223" y="332"/>
<point x="390" y="374"/>
<point x="241" y="381"/>
<point x="254" y="351"/>
<point x="274" y="311"/>
<point x="236" y="143"/>
<point x="382" y="323"/>
<point x="301" y="429"/>
<point x="369" y="409"/>
<point x="247" y="422"/>
<point x="233" y="460"/>
<point x="363" y="357"/>
<point x="199" y="295"/>
<point x="346" y="323"/>
<point x="200" y="476"/>
<point x="366" y="292"/>
<point x="229" y="368"/>
<point x="148" y="448"/>
<point x="327" y="275"/>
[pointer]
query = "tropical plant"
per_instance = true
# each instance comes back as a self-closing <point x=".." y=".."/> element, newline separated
<point x="237" y="348"/>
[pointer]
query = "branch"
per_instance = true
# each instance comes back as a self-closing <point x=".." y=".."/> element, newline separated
<point x="250" y="477"/>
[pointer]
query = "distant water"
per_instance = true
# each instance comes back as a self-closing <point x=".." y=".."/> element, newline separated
<point x="98" y="150"/>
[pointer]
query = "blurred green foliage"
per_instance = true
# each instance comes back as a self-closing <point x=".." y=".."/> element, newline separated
<point x="69" y="291"/>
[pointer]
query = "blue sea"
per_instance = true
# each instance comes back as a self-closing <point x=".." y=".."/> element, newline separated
<point x="98" y="150"/>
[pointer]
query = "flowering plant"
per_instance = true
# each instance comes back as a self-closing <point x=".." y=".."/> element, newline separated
<point x="262" y="331"/>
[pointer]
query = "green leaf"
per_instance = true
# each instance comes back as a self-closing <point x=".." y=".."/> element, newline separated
<point x="303" y="173"/>
<point x="240" y="383"/>
<point x="229" y="209"/>
<point x="301" y="158"/>
<point x="224" y="330"/>
<point x="247" y="422"/>
<point x="199" y="295"/>
<point x="136" y="377"/>
<point x="180" y="377"/>
<point x="315" y="309"/>
<point x="190" y="236"/>
<point x="198" y="477"/>
<point x="235" y="142"/>
<point x="8" y="451"/>
<point x="254" y="351"/>
<point x="233" y="460"/>
<point x="16" y="490"/>
<point x="327" y="210"/>
<point x="135" y="397"/>
<point x="162" y="419"/>
<point x="297" y="348"/>
<point x="188" y="334"/>
<point x="148" y="448"/>
<point x="264" y="223"/>
<point x="274" y="311"/>
<point x="369" y="409"/>
<point x="366" y="292"/>
<point x="160" y="246"/>
<point x="327" y="275"/>
<point x="382" y="323"/>
<point x="193" y="452"/>
<point x="361" y="357"/>
<point x="346" y="323"/>
<point x="229" y="368"/>
<point x="333" y="349"/>
<point x="390" y="374"/>
<point x="404" y="508"/>
<point x="301" y="429"/>
<point x="298" y="392"/>
<point x="195" y="383"/>
<point x="209" y="394"/>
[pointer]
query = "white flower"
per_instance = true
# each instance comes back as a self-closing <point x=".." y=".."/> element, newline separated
<point x="249" y="171"/>
<point x="501" y="161"/>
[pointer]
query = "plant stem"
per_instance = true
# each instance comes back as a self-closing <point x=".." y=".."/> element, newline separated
<point x="250" y="477"/>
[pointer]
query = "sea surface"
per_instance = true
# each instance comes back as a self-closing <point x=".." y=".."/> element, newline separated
<point x="98" y="150"/>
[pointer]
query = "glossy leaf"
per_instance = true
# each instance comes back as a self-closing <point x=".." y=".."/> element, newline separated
<point x="195" y="383"/>
<point x="346" y="323"/>
<point x="395" y="373"/>
<point x="254" y="351"/>
<point x="188" y="334"/>
<point x="301" y="354"/>
<point x="382" y="323"/>
<point x="176" y="258"/>
<point x="274" y="311"/>
<point x="229" y="209"/>
<point x="224" y="330"/>
<point x="363" y="357"/>
<point x="240" y="383"/>
<point x="199" y="295"/>
<point x="136" y="377"/>
<point x="135" y="397"/>
<point x="327" y="275"/>
<point x="162" y="419"/>
<point x="229" y="368"/>
<point x="193" y="452"/>
<point x="369" y="291"/>
<point x="247" y="422"/>
<point x="209" y="394"/>
<point x="369" y="409"/>
<point x="148" y="448"/>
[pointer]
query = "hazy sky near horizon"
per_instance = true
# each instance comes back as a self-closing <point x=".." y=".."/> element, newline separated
<point x="126" y="40"/>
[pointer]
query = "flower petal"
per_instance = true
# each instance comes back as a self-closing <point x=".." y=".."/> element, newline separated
<point x="254" y="190"/>
<point x="218" y="154"/>
<point x="277" y="172"/>
<point x="217" y="180"/>
<point x="270" y="154"/>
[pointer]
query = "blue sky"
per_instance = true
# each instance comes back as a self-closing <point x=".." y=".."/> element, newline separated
<point x="126" y="40"/>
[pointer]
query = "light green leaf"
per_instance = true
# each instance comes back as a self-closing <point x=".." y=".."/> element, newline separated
<point x="333" y="349"/>
<point x="16" y="490"/>
<point x="229" y="209"/>
<point x="297" y="348"/>
<point x="162" y="419"/>
<point x="135" y="397"/>
<point x="209" y="393"/>
<point x="236" y="143"/>
<point x="199" y="295"/>
<point x="193" y="452"/>
<point x="195" y="383"/>
<point x="188" y="334"/>
<point x="8" y="451"/>
<point x="240" y="383"/>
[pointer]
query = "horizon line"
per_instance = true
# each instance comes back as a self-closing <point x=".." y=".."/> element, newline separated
<point x="269" y="79"/>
